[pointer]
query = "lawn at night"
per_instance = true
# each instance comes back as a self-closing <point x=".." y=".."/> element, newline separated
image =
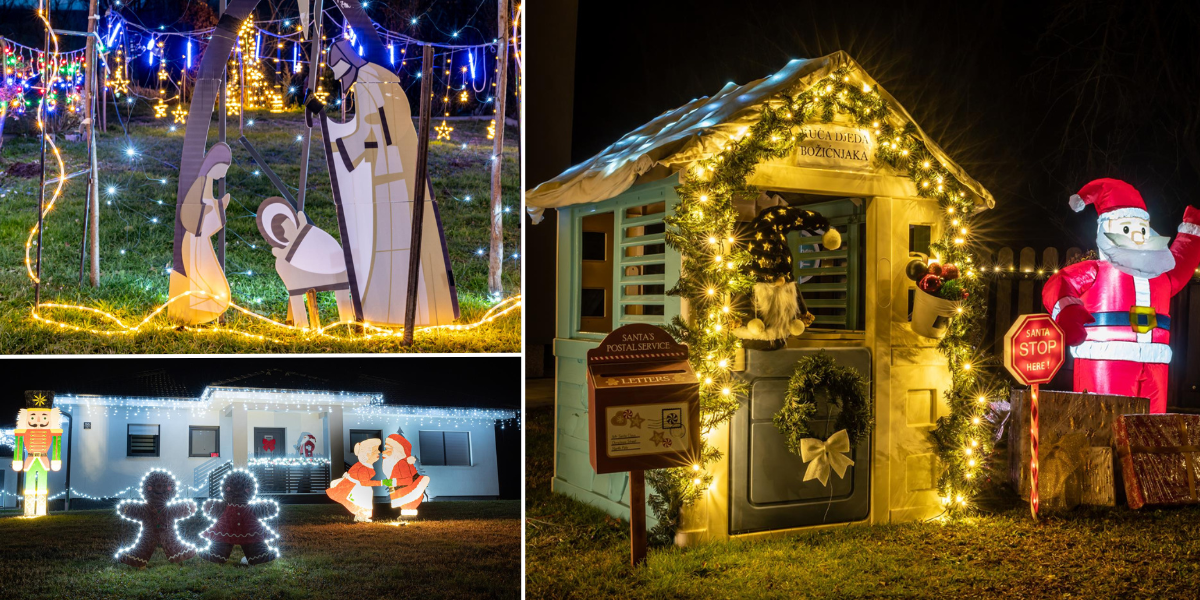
<point x="576" y="551"/>
<point x="454" y="550"/>
<point x="137" y="216"/>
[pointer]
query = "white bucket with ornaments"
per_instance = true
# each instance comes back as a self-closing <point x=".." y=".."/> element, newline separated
<point x="931" y="315"/>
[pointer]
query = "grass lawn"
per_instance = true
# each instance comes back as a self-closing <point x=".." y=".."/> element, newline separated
<point x="455" y="550"/>
<point x="137" y="227"/>
<point x="576" y="551"/>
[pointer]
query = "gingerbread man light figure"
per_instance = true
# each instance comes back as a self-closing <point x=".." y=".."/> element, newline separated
<point x="38" y="448"/>
<point x="157" y="514"/>
<point x="238" y="519"/>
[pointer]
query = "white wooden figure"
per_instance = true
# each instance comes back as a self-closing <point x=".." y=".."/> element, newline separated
<point x="306" y="258"/>
<point x="196" y="268"/>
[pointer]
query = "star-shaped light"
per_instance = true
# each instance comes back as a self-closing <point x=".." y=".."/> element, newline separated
<point x="443" y="131"/>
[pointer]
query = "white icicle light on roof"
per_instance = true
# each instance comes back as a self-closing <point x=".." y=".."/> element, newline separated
<point x="8" y="438"/>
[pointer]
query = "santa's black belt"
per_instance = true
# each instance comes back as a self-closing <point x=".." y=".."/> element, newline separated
<point x="1122" y="319"/>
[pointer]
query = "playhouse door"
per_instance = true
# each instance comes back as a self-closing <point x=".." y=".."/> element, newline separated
<point x="767" y="491"/>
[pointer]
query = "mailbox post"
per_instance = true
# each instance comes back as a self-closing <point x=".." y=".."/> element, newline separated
<point x="643" y="413"/>
<point x="1034" y="350"/>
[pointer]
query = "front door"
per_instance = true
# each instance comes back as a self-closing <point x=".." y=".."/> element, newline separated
<point x="269" y="442"/>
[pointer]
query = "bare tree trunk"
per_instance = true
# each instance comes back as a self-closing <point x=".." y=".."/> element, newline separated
<point x="496" y="258"/>
<point x="94" y="179"/>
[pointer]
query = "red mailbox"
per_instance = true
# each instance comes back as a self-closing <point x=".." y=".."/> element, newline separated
<point x="643" y="402"/>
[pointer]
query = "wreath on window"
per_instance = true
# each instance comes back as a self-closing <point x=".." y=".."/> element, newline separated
<point x="844" y="388"/>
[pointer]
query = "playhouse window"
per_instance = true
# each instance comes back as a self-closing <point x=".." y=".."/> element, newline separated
<point x="204" y="441"/>
<point x="142" y="440"/>
<point x="445" y="448"/>
<point x="832" y="281"/>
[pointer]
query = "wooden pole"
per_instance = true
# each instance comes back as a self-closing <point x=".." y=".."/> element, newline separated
<point x="314" y="69"/>
<point x="37" y="285"/>
<point x="221" y="138"/>
<point x="418" y="211"/>
<point x="93" y="216"/>
<point x="496" y="258"/>
<point x="637" y="517"/>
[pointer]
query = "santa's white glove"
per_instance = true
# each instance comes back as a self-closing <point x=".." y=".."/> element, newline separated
<point x="1191" y="222"/>
<point x="412" y="460"/>
<point x="55" y="465"/>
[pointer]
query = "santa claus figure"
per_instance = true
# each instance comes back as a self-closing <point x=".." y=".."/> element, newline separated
<point x="1115" y="311"/>
<point x="400" y="464"/>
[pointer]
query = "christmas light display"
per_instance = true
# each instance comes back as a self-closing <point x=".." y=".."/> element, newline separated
<point x="161" y="510"/>
<point x="238" y="518"/>
<point x="408" y="485"/>
<point x="354" y="489"/>
<point x="712" y="275"/>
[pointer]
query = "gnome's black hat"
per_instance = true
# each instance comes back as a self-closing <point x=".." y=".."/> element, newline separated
<point x="39" y="399"/>
<point x="769" y="253"/>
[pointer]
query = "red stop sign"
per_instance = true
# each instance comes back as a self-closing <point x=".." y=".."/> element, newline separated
<point x="1034" y="349"/>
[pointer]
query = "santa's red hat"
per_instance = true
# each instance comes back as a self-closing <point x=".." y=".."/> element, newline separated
<point x="407" y="445"/>
<point x="1113" y="199"/>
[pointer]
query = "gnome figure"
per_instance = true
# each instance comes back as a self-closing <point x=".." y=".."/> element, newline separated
<point x="1115" y="311"/>
<point x="38" y="448"/>
<point x="778" y="305"/>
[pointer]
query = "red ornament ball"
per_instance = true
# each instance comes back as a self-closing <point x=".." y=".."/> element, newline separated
<point x="930" y="283"/>
<point x="949" y="272"/>
<point x="935" y="269"/>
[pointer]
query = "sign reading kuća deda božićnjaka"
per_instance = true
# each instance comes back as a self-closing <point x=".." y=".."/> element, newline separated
<point x="644" y="402"/>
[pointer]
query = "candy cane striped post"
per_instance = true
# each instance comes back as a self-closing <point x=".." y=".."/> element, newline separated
<point x="1033" y="456"/>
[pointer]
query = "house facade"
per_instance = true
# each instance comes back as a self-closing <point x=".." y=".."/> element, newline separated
<point x="614" y="268"/>
<point x="295" y="441"/>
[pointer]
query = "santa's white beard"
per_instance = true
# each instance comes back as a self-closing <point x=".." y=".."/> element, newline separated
<point x="1138" y="263"/>
<point x="389" y="464"/>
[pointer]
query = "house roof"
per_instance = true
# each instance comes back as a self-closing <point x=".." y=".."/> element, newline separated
<point x="698" y="130"/>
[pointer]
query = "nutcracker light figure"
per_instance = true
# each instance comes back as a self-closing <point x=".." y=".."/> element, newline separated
<point x="1115" y="311"/>
<point x="38" y="448"/>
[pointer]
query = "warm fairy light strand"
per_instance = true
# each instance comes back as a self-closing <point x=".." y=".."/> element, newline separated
<point x="49" y="77"/>
<point x="497" y="311"/>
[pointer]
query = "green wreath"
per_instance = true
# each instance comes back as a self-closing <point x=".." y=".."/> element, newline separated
<point x="845" y="389"/>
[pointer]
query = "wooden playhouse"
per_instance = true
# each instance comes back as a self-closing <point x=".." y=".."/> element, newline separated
<point x="614" y="268"/>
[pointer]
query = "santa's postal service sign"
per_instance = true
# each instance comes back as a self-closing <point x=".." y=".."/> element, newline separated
<point x="839" y="147"/>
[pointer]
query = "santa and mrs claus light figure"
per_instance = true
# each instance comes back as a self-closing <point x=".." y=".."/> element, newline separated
<point x="1115" y="310"/>
<point x="355" y="489"/>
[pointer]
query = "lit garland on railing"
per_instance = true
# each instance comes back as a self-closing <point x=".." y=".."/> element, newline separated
<point x="714" y="273"/>
<point x="370" y="331"/>
<point x="289" y="461"/>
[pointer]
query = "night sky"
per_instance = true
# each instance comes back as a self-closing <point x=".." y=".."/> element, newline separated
<point x="1032" y="99"/>
<point x="484" y="382"/>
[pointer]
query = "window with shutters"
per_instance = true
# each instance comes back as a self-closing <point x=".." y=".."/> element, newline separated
<point x="143" y="440"/>
<point x="623" y="267"/>
<point x="445" y="448"/>
<point x="832" y="281"/>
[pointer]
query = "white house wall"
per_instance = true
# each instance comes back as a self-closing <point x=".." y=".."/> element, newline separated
<point x="98" y="462"/>
<point x="479" y="479"/>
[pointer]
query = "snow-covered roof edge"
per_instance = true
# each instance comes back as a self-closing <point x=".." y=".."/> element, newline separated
<point x="698" y="130"/>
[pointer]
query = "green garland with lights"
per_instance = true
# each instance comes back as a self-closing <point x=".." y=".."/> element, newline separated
<point x="714" y="273"/>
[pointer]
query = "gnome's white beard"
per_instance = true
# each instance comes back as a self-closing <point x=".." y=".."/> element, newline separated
<point x="776" y="305"/>
<point x="1132" y="261"/>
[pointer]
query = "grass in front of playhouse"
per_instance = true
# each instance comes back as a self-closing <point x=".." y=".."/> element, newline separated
<point x="576" y="551"/>
<point x="454" y="550"/>
<point x="137" y="229"/>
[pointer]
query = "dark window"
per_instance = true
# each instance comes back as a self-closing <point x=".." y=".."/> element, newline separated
<point x="204" y="441"/>
<point x="919" y="237"/>
<point x="595" y="245"/>
<point x="591" y="303"/>
<point x="445" y="448"/>
<point x="142" y="440"/>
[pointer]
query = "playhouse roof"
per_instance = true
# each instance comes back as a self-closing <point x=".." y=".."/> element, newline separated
<point x="698" y="130"/>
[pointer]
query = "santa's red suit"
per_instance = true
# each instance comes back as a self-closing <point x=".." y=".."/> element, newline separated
<point x="1118" y="324"/>
<point x="410" y="485"/>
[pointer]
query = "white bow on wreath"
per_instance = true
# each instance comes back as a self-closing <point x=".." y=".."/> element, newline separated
<point x="823" y="454"/>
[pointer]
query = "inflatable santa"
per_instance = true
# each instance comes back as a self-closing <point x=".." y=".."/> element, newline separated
<point x="1115" y="311"/>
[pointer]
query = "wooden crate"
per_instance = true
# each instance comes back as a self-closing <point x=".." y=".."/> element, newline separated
<point x="1073" y="428"/>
